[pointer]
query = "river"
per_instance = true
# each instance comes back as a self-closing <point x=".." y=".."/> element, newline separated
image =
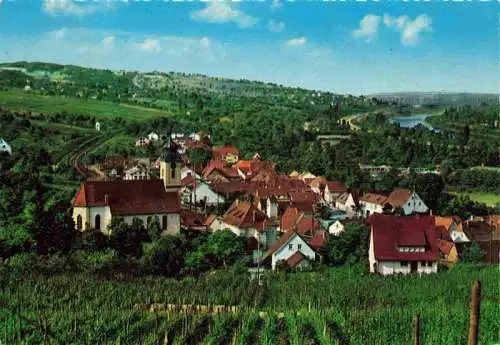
<point x="413" y="121"/>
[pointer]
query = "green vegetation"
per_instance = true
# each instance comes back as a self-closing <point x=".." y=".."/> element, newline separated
<point x="490" y="199"/>
<point x="17" y="99"/>
<point x="345" y="306"/>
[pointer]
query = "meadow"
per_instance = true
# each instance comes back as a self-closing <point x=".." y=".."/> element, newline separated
<point x="17" y="99"/>
<point x="333" y="306"/>
<point x="490" y="199"/>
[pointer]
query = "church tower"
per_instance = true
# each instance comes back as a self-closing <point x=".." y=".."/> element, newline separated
<point x="170" y="166"/>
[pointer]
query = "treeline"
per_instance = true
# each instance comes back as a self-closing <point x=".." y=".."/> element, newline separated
<point x="481" y="179"/>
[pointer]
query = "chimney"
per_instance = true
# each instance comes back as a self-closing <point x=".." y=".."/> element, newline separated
<point x="106" y="199"/>
<point x="253" y="216"/>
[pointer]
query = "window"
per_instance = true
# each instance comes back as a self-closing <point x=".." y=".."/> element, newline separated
<point x="299" y="246"/>
<point x="290" y="246"/>
<point x="404" y="263"/>
<point x="164" y="222"/>
<point x="79" y="222"/>
<point x="172" y="172"/>
<point x="412" y="249"/>
<point x="97" y="222"/>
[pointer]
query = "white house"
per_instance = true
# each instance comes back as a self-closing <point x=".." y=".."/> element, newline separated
<point x="403" y="245"/>
<point x="336" y="228"/>
<point x="142" y="142"/>
<point x="137" y="172"/>
<point x="198" y="191"/>
<point x="333" y="190"/>
<point x="98" y="126"/>
<point x="4" y="147"/>
<point x="407" y="201"/>
<point x="347" y="203"/>
<point x="98" y="202"/>
<point x="291" y="249"/>
<point x="372" y="203"/>
<point x="153" y="136"/>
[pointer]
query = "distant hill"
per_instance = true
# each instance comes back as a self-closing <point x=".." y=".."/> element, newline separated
<point x="438" y="98"/>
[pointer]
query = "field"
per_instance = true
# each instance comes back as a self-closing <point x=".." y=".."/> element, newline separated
<point x="490" y="199"/>
<point x="16" y="99"/>
<point x="334" y="306"/>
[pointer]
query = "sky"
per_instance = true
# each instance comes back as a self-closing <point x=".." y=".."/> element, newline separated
<point x="344" y="47"/>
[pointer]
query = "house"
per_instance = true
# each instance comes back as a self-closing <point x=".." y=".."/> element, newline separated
<point x="454" y="226"/>
<point x="319" y="241"/>
<point x="318" y="185"/>
<point x="295" y="220"/>
<point x="97" y="126"/>
<point x="372" y="203"/>
<point x="244" y="219"/>
<point x="141" y="142"/>
<point x="403" y="244"/>
<point x="447" y="248"/>
<point x="97" y="202"/>
<point x="4" y="147"/>
<point x="186" y="171"/>
<point x="230" y="154"/>
<point x="336" y="228"/>
<point x="333" y="190"/>
<point x="193" y="221"/>
<point x="290" y="249"/>
<point x="218" y="171"/>
<point x="137" y="172"/>
<point x="486" y="233"/>
<point x="349" y="203"/>
<point x="197" y="191"/>
<point x="153" y="136"/>
<point x="407" y="201"/>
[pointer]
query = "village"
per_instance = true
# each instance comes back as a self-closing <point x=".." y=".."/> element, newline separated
<point x="286" y="219"/>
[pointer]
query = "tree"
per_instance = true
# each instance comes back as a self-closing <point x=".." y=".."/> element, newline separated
<point x="154" y="229"/>
<point x="165" y="256"/>
<point x="351" y="246"/>
<point x="221" y="248"/>
<point x="430" y="188"/>
<point x="466" y="135"/>
<point x="472" y="253"/>
<point x="127" y="239"/>
<point x="198" y="156"/>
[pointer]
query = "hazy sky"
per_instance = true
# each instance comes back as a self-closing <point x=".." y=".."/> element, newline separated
<point x="343" y="47"/>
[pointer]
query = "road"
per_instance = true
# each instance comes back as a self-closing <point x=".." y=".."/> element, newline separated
<point x="76" y="157"/>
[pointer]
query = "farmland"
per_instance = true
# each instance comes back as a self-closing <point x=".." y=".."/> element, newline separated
<point x="332" y="306"/>
<point x="16" y="99"/>
<point x="490" y="199"/>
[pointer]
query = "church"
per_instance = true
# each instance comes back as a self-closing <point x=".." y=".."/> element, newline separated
<point x="97" y="202"/>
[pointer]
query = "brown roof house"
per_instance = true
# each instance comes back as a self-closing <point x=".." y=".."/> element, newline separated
<point x="244" y="219"/>
<point x="406" y="201"/>
<point x="97" y="202"/>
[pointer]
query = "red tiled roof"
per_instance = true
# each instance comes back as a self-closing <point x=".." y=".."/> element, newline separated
<point x="399" y="197"/>
<point x="233" y="187"/>
<point x="295" y="259"/>
<point x="189" y="181"/>
<point x="190" y="219"/>
<point x="336" y="187"/>
<point x="445" y="247"/>
<point x="319" y="240"/>
<point x="390" y="232"/>
<point x="296" y="220"/>
<point x="131" y="197"/>
<point x="243" y="214"/>
<point x="209" y="220"/>
<point x="220" y="166"/>
<point x="221" y="152"/>
<point x="373" y="198"/>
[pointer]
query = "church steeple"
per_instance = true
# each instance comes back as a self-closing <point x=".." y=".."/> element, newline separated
<point x="170" y="165"/>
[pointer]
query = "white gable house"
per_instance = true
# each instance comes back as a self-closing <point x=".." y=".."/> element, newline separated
<point x="336" y="228"/>
<point x="292" y="249"/>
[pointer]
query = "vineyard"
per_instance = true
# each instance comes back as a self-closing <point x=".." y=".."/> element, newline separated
<point x="334" y="306"/>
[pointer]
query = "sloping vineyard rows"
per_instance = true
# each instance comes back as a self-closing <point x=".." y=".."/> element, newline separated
<point x="332" y="307"/>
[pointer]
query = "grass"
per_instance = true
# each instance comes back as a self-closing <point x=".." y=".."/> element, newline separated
<point x="490" y="199"/>
<point x="16" y="99"/>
